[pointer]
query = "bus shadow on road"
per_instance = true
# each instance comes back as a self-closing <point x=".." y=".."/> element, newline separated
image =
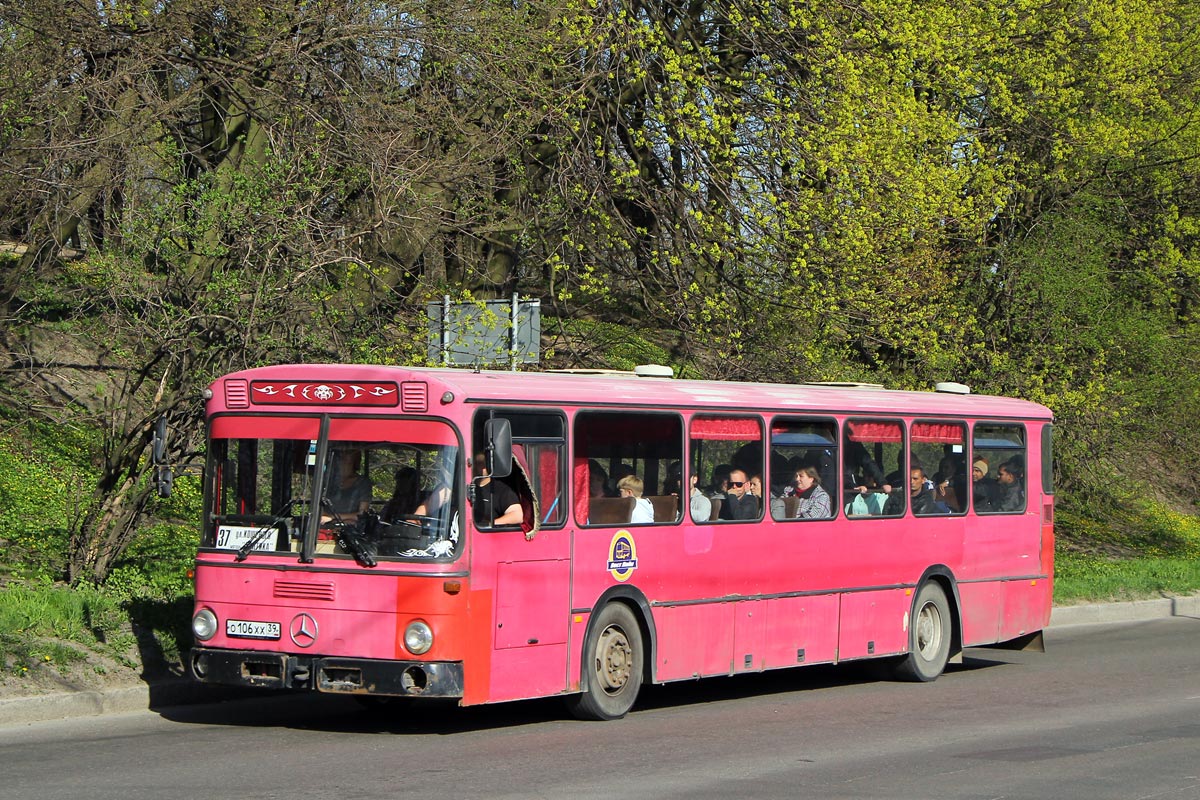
<point x="404" y="716"/>
<point x="790" y="681"/>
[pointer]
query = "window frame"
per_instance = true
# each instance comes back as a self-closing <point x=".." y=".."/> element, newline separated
<point x="763" y="443"/>
<point x="904" y="450"/>
<point x="835" y="508"/>
<point x="580" y="503"/>
<point x="485" y="412"/>
<point x="993" y="468"/>
<point x="965" y="427"/>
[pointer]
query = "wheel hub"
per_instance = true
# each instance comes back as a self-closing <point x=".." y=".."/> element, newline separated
<point x="929" y="630"/>
<point x="614" y="660"/>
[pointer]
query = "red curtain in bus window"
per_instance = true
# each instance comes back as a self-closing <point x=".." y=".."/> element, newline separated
<point x="519" y="481"/>
<point x="548" y="481"/>
<point x="580" y="478"/>
<point x="938" y="432"/>
<point x="726" y="428"/>
<point x="875" y="431"/>
<point x="600" y="429"/>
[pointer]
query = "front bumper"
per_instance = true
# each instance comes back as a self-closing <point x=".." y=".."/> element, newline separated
<point x="363" y="676"/>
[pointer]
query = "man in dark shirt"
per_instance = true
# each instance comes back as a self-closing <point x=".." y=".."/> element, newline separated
<point x="738" y="503"/>
<point x="923" y="501"/>
<point x="495" y="501"/>
<point x="1010" y="492"/>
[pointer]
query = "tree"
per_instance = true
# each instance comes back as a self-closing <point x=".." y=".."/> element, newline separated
<point x="893" y="191"/>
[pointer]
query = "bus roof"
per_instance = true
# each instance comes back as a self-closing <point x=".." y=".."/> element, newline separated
<point x="609" y="389"/>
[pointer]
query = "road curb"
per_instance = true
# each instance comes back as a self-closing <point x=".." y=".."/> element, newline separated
<point x="61" y="705"/>
<point x="1132" y="611"/>
<point x="182" y="692"/>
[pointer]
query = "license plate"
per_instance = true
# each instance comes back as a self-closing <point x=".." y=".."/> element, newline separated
<point x="248" y="629"/>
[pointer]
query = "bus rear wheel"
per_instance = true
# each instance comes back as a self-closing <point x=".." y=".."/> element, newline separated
<point x="928" y="636"/>
<point x="612" y="666"/>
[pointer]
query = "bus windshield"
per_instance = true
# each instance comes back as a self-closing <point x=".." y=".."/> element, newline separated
<point x="364" y="491"/>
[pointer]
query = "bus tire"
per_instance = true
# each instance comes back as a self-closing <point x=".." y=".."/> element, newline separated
<point x="613" y="660"/>
<point x="929" y="636"/>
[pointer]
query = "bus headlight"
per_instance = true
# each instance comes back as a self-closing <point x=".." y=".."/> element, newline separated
<point x="204" y="624"/>
<point x="418" y="637"/>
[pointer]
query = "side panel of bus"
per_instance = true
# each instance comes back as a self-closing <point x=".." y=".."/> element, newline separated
<point x="520" y="616"/>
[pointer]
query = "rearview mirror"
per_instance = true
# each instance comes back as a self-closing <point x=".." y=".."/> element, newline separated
<point x="158" y="442"/>
<point x="498" y="434"/>
<point x="164" y="479"/>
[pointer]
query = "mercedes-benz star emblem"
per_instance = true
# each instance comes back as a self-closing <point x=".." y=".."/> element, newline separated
<point x="303" y="630"/>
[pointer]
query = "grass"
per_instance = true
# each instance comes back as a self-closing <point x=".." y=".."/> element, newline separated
<point x="1088" y="579"/>
<point x="138" y="618"/>
<point x="1124" y="547"/>
<point x="40" y="625"/>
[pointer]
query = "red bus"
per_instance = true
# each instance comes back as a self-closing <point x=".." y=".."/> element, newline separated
<point x="494" y="536"/>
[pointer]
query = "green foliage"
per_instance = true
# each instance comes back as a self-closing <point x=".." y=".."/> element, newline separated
<point x="1080" y="578"/>
<point x="1125" y="524"/>
<point x="616" y="346"/>
<point x="1002" y="193"/>
<point x="38" y="623"/>
<point x="44" y="478"/>
<point x="145" y="603"/>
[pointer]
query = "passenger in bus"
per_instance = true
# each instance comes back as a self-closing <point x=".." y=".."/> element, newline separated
<point x="643" y="511"/>
<point x="614" y="480"/>
<point x="814" y="500"/>
<point x="406" y="494"/>
<point x="438" y="497"/>
<point x="1010" y="482"/>
<point x="348" y="493"/>
<point x="495" y="501"/>
<point x="946" y="484"/>
<point x="673" y="483"/>
<point x="720" y="482"/>
<point x="755" y="490"/>
<point x="921" y="494"/>
<point x="737" y="503"/>
<point x="863" y="474"/>
<point x="983" y="488"/>
<point x="597" y="479"/>
<point x="698" y="503"/>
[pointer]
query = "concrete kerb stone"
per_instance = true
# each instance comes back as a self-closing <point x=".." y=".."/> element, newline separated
<point x="124" y="700"/>
<point x="1111" y="612"/>
<point x="61" y="705"/>
<point x="1132" y="611"/>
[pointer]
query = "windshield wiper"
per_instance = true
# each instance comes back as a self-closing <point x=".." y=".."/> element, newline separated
<point x="348" y="539"/>
<point x="260" y="534"/>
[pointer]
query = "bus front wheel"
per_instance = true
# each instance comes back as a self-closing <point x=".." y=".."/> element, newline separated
<point x="928" y="636"/>
<point x="612" y="666"/>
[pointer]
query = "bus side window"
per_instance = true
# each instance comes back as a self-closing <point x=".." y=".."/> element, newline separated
<point x="939" y="451"/>
<point x="726" y="454"/>
<point x="871" y="446"/>
<point x="539" y="468"/>
<point x="632" y="458"/>
<point x="804" y="469"/>
<point x="998" y="468"/>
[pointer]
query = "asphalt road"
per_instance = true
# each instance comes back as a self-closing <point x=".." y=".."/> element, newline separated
<point x="1109" y="711"/>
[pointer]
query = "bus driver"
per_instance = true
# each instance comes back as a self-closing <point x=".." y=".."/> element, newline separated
<point x="494" y="497"/>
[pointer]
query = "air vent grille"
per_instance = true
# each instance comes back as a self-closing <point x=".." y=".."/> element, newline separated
<point x="304" y="591"/>
<point x="237" y="394"/>
<point x="414" y="396"/>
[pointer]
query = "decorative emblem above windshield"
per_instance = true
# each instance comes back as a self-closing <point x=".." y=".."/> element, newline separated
<point x="325" y="393"/>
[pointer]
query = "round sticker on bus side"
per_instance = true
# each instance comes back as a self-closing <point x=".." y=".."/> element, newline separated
<point x="622" y="556"/>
